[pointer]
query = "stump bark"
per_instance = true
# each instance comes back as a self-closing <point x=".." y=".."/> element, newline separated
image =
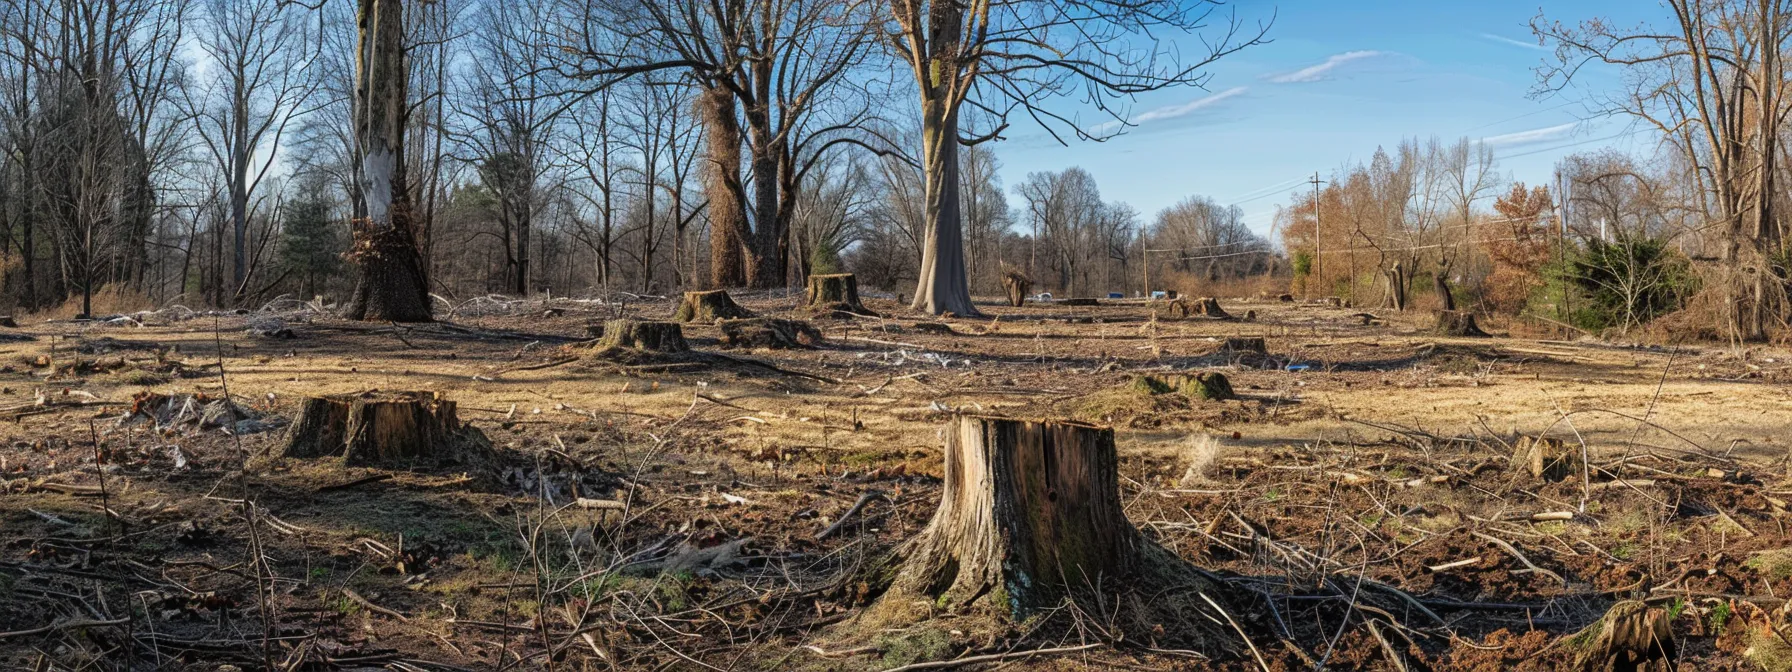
<point x="1245" y="344"/>
<point x="385" y="429"/>
<point x="657" y="337"/>
<point x="1547" y="459"/>
<point x="1030" y="516"/>
<point x="1017" y="286"/>
<point x="836" y="295"/>
<point x="709" y="307"/>
<point x="766" y="332"/>
<point x="1458" y="323"/>
<point x="1631" y="637"/>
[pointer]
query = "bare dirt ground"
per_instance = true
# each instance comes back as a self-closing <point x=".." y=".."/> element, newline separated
<point x="1359" y="497"/>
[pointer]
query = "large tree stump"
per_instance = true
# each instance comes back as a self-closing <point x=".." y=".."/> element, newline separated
<point x="709" y="307"/>
<point x="766" y="332"/>
<point x="385" y="429"/>
<point x="1016" y="284"/>
<point x="1031" y="515"/>
<point x="1631" y="637"/>
<point x="655" y="337"/>
<point x="836" y="295"/>
<point x="1458" y="323"/>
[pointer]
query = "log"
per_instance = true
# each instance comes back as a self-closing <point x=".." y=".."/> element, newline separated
<point x="836" y="295"/>
<point x="8" y="322"/>
<point x="709" y="307"/>
<point x="1017" y="285"/>
<point x="766" y="332"/>
<point x="1030" y="515"/>
<point x="1458" y="323"/>
<point x="1547" y="459"/>
<point x="1082" y="301"/>
<point x="655" y="337"/>
<point x="385" y="429"/>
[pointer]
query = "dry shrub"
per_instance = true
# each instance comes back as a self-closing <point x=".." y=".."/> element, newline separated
<point x="1194" y="284"/>
<point x="1726" y="303"/>
<point x="1198" y="452"/>
<point x="112" y="299"/>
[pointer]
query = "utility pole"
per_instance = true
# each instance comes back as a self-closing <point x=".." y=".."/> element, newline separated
<point x="1318" y="252"/>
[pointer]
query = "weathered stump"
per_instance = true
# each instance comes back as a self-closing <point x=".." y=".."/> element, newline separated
<point x="836" y="295"/>
<point x="1254" y="345"/>
<point x="709" y="307"/>
<point x="1030" y="515"/>
<point x="1205" y="306"/>
<point x="1211" y="386"/>
<point x="766" y="332"/>
<point x="385" y="429"/>
<point x="1631" y="637"/>
<point x="655" y="337"/>
<point x="1016" y="285"/>
<point x="1458" y="323"/>
<point x="1547" y="459"/>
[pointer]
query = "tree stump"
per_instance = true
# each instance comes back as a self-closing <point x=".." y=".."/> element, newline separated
<point x="1254" y="345"/>
<point x="1547" y="459"/>
<point x="385" y="429"/>
<point x="1017" y="285"/>
<point x="767" y="332"/>
<point x="709" y="307"/>
<point x="1209" y="386"/>
<point x="1631" y="637"/>
<point x="656" y="337"/>
<point x="1202" y="307"/>
<point x="1031" y="515"/>
<point x="1458" y="323"/>
<point x="836" y="295"/>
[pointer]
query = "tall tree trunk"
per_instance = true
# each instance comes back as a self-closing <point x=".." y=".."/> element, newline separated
<point x="943" y="287"/>
<point x="727" y="216"/>
<point x="392" y="283"/>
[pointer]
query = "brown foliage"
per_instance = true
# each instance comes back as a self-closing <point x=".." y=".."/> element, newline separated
<point x="1518" y="244"/>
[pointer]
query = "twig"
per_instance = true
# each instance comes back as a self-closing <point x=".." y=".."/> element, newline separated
<point x="1513" y="551"/>
<point x="1239" y="630"/>
<point x="354" y="483"/>
<point x="62" y="626"/>
<point x="850" y="512"/>
<point x="356" y="597"/>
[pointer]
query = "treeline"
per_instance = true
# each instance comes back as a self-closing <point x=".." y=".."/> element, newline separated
<point x="224" y="152"/>
<point x="1690" y="236"/>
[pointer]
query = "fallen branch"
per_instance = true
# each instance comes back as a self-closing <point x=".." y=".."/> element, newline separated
<point x="864" y="499"/>
<point x="356" y="597"/>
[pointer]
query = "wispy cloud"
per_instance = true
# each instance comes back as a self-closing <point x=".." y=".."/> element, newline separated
<point x="1177" y="110"/>
<point x="1315" y="73"/>
<point x="1547" y="134"/>
<point x="1515" y="43"/>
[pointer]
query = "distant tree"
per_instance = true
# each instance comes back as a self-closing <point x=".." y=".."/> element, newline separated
<point x="1001" y="57"/>
<point x="311" y="244"/>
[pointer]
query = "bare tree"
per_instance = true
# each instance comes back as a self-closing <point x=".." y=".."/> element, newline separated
<point x="1004" y="56"/>
<point x="392" y="284"/>
<point x="1714" y="84"/>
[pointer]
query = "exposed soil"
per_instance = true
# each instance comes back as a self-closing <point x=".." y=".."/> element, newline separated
<point x="1358" y="496"/>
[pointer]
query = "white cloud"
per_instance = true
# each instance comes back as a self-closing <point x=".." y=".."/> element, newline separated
<point x="1547" y="134"/>
<point x="1515" y="43"/>
<point x="1182" y="109"/>
<point x="1177" y="110"/>
<point x="1317" y="72"/>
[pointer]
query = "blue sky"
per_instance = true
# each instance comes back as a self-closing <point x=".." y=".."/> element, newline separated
<point x="1339" y="80"/>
